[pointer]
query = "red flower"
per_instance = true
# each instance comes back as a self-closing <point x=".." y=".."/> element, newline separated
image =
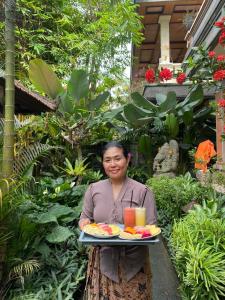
<point x="220" y="23"/>
<point x="165" y="74"/>
<point x="211" y="54"/>
<point x="181" y="78"/>
<point x="150" y="75"/>
<point x="221" y="57"/>
<point x="222" y="38"/>
<point x="221" y="103"/>
<point x="219" y="75"/>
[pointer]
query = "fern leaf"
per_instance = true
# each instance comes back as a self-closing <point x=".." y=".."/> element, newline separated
<point x="24" y="269"/>
<point x="29" y="156"/>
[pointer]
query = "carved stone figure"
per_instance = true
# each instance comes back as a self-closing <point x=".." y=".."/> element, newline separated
<point x="166" y="160"/>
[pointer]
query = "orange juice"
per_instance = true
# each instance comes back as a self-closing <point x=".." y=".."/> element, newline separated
<point x="140" y="216"/>
<point x="129" y="217"/>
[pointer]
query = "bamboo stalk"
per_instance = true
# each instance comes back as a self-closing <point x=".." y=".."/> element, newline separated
<point x="8" y="137"/>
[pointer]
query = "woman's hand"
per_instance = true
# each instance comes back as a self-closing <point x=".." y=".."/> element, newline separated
<point x="84" y="222"/>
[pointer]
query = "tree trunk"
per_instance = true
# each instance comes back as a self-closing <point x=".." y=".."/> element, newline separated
<point x="8" y="138"/>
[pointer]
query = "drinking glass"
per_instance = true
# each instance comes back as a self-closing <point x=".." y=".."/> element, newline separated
<point x="129" y="216"/>
<point x="140" y="216"/>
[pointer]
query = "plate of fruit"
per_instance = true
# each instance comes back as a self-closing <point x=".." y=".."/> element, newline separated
<point x="102" y="230"/>
<point x="139" y="232"/>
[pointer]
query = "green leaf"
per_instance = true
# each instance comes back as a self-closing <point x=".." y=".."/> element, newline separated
<point x="66" y="104"/>
<point x="78" y="85"/>
<point x="60" y="210"/>
<point x="140" y="101"/>
<point x="98" y="101"/>
<point x="59" y="234"/>
<point x="121" y="117"/>
<point x="44" y="78"/>
<point x="202" y="113"/>
<point x="160" y="98"/>
<point x="169" y="103"/>
<point x="145" y="145"/>
<point x="69" y="218"/>
<point x="46" y="218"/>
<point x="44" y="249"/>
<point x="194" y="98"/>
<point x="188" y="117"/>
<point x="132" y="113"/>
<point x="110" y="115"/>
<point x="172" y="125"/>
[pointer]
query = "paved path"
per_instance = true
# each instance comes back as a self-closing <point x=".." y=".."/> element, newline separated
<point x="165" y="281"/>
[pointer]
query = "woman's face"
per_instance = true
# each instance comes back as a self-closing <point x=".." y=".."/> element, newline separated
<point x="115" y="163"/>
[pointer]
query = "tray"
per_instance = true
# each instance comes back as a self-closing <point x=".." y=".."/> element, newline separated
<point x="90" y="240"/>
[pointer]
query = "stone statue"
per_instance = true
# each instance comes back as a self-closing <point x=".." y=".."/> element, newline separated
<point x="166" y="160"/>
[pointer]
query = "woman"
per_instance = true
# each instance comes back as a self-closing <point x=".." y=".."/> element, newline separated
<point x="118" y="272"/>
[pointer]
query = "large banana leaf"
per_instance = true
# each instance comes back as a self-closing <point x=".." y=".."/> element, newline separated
<point x="160" y="98"/>
<point x="78" y="85"/>
<point x="44" y="78"/>
<point x="187" y="117"/>
<point x="66" y="104"/>
<point x="193" y="98"/>
<point x="135" y="115"/>
<point x="145" y="146"/>
<point x="110" y="115"/>
<point x="169" y="103"/>
<point x="172" y="125"/>
<point x="202" y="113"/>
<point x="140" y="101"/>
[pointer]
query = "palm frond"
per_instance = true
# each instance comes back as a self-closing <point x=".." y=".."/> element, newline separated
<point x="4" y="237"/>
<point x="26" y="159"/>
<point x="24" y="268"/>
<point x="17" y="123"/>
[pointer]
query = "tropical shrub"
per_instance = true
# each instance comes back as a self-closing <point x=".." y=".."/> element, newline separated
<point x="138" y="173"/>
<point x="60" y="275"/>
<point x="198" y="245"/>
<point x="169" y="117"/>
<point x="61" y="190"/>
<point x="46" y="231"/>
<point x="172" y="194"/>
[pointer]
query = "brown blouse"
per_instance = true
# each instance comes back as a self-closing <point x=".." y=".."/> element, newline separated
<point x="100" y="207"/>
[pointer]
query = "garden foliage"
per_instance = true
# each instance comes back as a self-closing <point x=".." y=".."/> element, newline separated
<point x="171" y="194"/>
<point x="44" y="221"/>
<point x="198" y="245"/>
<point x="78" y="33"/>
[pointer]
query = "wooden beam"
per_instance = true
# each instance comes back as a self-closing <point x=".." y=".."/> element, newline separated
<point x="150" y="46"/>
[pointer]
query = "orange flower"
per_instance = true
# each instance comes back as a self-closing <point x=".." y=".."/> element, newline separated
<point x="204" y="153"/>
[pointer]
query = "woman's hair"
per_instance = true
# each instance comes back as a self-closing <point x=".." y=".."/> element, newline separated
<point x="117" y="145"/>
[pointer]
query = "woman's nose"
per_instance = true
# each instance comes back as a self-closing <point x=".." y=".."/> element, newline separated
<point x="112" y="162"/>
